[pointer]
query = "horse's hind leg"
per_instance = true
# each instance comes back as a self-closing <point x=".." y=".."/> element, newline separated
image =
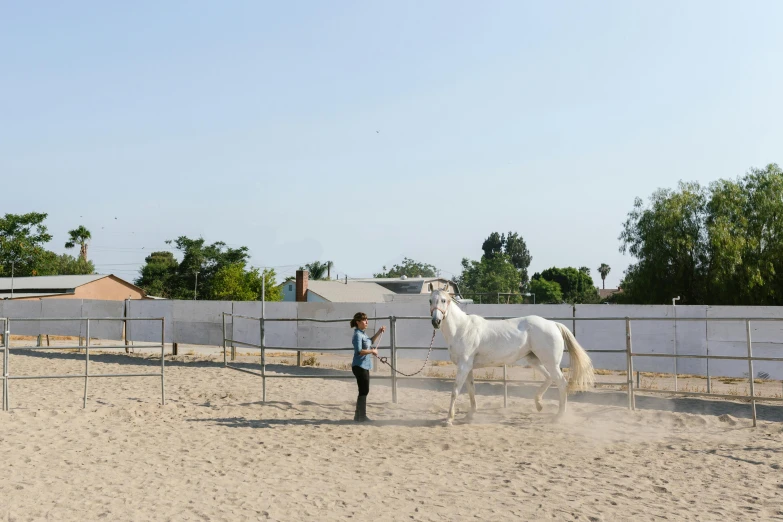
<point x="562" y="387"/>
<point x="462" y="373"/>
<point x="544" y="387"/>
<point x="472" y="394"/>
<point x="536" y="363"/>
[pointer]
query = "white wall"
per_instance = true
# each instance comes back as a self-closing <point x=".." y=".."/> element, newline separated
<point x="200" y="322"/>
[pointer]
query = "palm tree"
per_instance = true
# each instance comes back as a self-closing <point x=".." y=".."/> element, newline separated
<point x="329" y="266"/>
<point x="316" y="269"/>
<point x="604" y="270"/>
<point x="79" y="236"/>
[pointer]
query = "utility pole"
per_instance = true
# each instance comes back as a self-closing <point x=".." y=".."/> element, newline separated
<point x="195" y="287"/>
<point x="12" y="279"/>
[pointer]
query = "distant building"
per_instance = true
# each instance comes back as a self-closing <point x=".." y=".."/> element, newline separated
<point x="603" y="293"/>
<point x="104" y="287"/>
<point x="370" y="290"/>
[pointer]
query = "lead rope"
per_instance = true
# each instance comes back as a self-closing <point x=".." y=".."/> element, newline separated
<point x="385" y="360"/>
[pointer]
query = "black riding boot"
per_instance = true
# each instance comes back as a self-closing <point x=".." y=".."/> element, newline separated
<point x="361" y="409"/>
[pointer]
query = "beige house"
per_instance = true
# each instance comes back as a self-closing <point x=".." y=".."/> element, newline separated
<point x="103" y="287"/>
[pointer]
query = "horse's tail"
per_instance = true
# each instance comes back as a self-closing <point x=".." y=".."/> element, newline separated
<point x="581" y="376"/>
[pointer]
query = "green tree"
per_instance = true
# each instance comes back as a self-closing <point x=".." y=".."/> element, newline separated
<point x="409" y="268"/>
<point x="721" y="245"/>
<point x="491" y="275"/>
<point x="164" y="276"/>
<point x="576" y="285"/>
<point x="546" y="292"/>
<point x="231" y="283"/>
<point x="158" y="276"/>
<point x="200" y="262"/>
<point x="22" y="237"/>
<point x="668" y="237"/>
<point x="79" y="236"/>
<point x="604" y="270"/>
<point x="514" y="247"/>
<point x="744" y="230"/>
<point x="235" y="283"/>
<point x="64" y="264"/>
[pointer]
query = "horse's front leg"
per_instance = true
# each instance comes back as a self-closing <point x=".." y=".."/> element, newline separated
<point x="462" y="373"/>
<point x="472" y="394"/>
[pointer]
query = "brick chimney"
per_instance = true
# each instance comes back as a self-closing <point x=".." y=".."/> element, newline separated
<point x="302" y="276"/>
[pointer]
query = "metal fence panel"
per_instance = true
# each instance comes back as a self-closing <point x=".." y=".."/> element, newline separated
<point x="329" y="335"/>
<point x="729" y="338"/>
<point x="648" y="336"/>
<point x="280" y="333"/>
<point x="28" y="309"/>
<point x="62" y="308"/>
<point x="149" y="331"/>
<point x="243" y="329"/>
<point x="106" y="329"/>
<point x="199" y="322"/>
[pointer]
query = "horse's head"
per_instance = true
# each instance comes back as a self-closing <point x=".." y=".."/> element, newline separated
<point x="440" y="300"/>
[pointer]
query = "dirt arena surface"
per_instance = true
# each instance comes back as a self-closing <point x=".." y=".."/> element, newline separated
<point x="215" y="452"/>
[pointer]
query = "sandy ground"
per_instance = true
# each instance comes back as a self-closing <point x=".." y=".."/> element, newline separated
<point x="215" y="452"/>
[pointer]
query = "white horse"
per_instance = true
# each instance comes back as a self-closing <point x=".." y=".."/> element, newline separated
<point x="475" y="342"/>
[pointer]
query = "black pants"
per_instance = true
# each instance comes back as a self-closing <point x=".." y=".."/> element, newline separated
<point x="362" y="380"/>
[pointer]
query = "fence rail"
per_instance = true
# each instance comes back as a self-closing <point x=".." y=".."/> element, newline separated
<point x="7" y="376"/>
<point x="631" y="390"/>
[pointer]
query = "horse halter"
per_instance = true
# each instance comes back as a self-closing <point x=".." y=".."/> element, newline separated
<point x="433" y="308"/>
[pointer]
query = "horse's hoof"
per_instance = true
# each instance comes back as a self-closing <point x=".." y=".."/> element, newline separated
<point x="539" y="406"/>
<point x="449" y="423"/>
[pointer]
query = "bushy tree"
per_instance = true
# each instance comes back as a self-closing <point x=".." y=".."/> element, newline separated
<point x="721" y="245"/>
<point x="409" y="268"/>
<point x="576" y="285"/>
<point x="492" y="275"/>
<point x="158" y="275"/>
<point x="222" y="272"/>
<point x="64" y="264"/>
<point x="22" y="240"/>
<point x="513" y="246"/>
<point x="546" y="292"/>
<point x="236" y="283"/>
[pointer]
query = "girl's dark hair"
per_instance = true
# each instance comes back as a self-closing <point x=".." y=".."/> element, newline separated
<point x="358" y="316"/>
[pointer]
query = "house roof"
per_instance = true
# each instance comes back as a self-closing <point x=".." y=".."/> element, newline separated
<point x="43" y="286"/>
<point x="48" y="282"/>
<point x="399" y="279"/>
<point x="353" y="292"/>
<point x="603" y="293"/>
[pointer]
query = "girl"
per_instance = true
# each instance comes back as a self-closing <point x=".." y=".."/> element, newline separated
<point x="362" y="361"/>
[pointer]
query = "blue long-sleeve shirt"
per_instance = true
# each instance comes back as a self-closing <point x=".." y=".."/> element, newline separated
<point x="361" y="342"/>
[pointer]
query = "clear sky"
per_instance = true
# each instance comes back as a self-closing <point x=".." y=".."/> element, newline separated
<point x="362" y="132"/>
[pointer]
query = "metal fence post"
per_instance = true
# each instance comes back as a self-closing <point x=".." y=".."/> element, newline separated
<point x="505" y="386"/>
<point x="750" y="372"/>
<point x="225" y="360"/>
<point x="7" y="345"/>
<point x="263" y="358"/>
<point x="162" y="361"/>
<point x="394" y="357"/>
<point x="86" y="364"/>
<point x="707" y="338"/>
<point x="629" y="356"/>
<point x="676" y="359"/>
